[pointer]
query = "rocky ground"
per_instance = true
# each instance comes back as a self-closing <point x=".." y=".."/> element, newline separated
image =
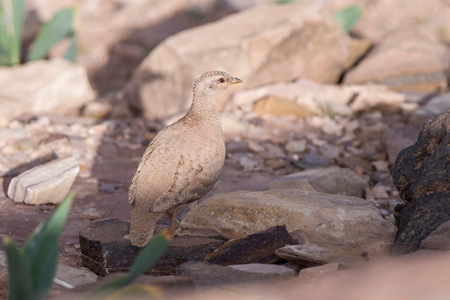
<point x="312" y="136"/>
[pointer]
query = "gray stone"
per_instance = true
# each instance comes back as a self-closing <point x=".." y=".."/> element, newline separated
<point x="206" y="274"/>
<point x="255" y="248"/>
<point x="398" y="138"/>
<point x="74" y="276"/>
<point x="264" y="269"/>
<point x="331" y="180"/>
<point x="322" y="217"/>
<point x="433" y="108"/>
<point x="48" y="183"/>
<point x="54" y="86"/>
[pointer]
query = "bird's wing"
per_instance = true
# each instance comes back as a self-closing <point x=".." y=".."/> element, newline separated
<point x="190" y="183"/>
<point x="133" y="187"/>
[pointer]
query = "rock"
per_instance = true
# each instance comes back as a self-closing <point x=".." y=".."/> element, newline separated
<point x="298" y="41"/>
<point x="331" y="180"/>
<point x="56" y="86"/>
<point x="315" y="272"/>
<point x="105" y="250"/>
<point x="275" y="163"/>
<point x="433" y="108"/>
<point x="291" y="184"/>
<point x="398" y="138"/>
<point x="248" y="163"/>
<point x="90" y="214"/>
<point x="374" y="97"/>
<point x="279" y="106"/>
<point x="206" y="274"/>
<point x="106" y="188"/>
<point x="423" y="68"/>
<point x="381" y="166"/>
<point x="439" y="238"/>
<point x="322" y="217"/>
<point x="421" y="176"/>
<point x="48" y="183"/>
<point x="331" y="127"/>
<point x="329" y="151"/>
<point x="311" y="255"/>
<point x="296" y="146"/>
<point x="74" y="276"/>
<point x="264" y="269"/>
<point x="379" y="192"/>
<point x="320" y="98"/>
<point x="256" y="248"/>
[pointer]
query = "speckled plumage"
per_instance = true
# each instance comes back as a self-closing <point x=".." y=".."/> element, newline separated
<point x="182" y="163"/>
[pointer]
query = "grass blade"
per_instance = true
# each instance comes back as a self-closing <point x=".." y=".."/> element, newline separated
<point x="11" y="22"/>
<point x="41" y="250"/>
<point x="146" y="258"/>
<point x="20" y="283"/>
<point x="71" y="53"/>
<point x="60" y="26"/>
<point x="348" y="16"/>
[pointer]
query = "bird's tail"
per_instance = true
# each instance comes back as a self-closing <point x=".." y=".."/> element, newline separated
<point x="143" y="224"/>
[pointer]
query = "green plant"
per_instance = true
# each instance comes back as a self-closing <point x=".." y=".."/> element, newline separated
<point x="12" y="14"/>
<point x="147" y="257"/>
<point x="31" y="268"/>
<point x="348" y="16"/>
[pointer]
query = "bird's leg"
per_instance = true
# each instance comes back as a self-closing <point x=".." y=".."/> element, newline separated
<point x="175" y="225"/>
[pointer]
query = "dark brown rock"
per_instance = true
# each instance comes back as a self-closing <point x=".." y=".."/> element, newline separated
<point x="421" y="175"/>
<point x="255" y="248"/>
<point x="105" y="250"/>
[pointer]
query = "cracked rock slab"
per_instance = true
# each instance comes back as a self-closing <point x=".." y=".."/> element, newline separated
<point x="47" y="183"/>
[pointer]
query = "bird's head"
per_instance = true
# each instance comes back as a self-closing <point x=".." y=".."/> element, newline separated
<point x="213" y="82"/>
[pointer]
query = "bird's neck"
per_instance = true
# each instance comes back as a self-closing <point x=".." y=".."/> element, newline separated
<point x="203" y="108"/>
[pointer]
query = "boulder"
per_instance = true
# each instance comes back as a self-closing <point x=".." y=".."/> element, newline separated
<point x="424" y="68"/>
<point x="330" y="180"/>
<point x="56" y="86"/>
<point x="264" y="44"/>
<point x="321" y="217"/>
<point x="421" y="175"/>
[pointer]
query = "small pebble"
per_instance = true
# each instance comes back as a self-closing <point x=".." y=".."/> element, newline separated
<point x="106" y="188"/>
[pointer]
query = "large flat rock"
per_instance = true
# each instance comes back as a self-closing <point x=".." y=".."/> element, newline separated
<point x="264" y="44"/>
<point x="321" y="217"/>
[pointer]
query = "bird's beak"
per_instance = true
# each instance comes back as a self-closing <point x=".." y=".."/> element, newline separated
<point x="236" y="80"/>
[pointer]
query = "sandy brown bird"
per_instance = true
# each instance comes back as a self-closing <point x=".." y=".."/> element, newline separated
<point x="182" y="163"/>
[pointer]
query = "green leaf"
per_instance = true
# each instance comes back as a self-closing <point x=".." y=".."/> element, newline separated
<point x="62" y="25"/>
<point x="146" y="258"/>
<point x="20" y="283"/>
<point x="71" y="53"/>
<point x="42" y="248"/>
<point x="284" y="1"/>
<point x="348" y="16"/>
<point x="11" y="22"/>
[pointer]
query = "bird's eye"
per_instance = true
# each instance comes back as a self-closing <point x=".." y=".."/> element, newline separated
<point x="221" y="80"/>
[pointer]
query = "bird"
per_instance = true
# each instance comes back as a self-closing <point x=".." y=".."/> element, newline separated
<point x="182" y="163"/>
